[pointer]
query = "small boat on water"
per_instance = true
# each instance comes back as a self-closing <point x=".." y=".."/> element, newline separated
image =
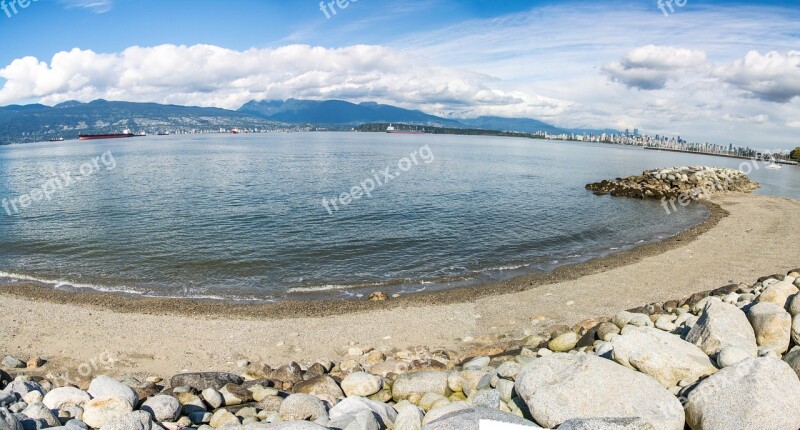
<point x="392" y="130"/>
<point x="57" y="139"/>
<point x="774" y="166"/>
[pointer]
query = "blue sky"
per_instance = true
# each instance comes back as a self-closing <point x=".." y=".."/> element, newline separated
<point x="722" y="71"/>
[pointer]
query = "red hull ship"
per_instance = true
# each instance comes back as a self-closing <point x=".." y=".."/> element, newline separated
<point x="105" y="136"/>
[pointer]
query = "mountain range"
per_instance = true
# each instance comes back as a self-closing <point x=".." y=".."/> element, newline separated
<point x="38" y="122"/>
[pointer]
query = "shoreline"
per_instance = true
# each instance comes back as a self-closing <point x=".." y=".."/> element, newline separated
<point x="123" y="303"/>
<point x="744" y="239"/>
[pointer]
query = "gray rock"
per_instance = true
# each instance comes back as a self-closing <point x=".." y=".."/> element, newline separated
<point x="754" y="394"/>
<point x="138" y="420"/>
<point x="409" y="418"/>
<point x="794" y="305"/>
<point x="76" y="425"/>
<point x="322" y="386"/>
<point x="202" y="380"/>
<point x="487" y="398"/>
<point x="419" y="383"/>
<point x="722" y="325"/>
<point x="607" y="424"/>
<point x="731" y="355"/>
<point x="796" y="329"/>
<point x="364" y="420"/>
<point x="569" y="386"/>
<point x="385" y="414"/>
<point x="7" y="399"/>
<point x="8" y="421"/>
<point x="198" y="418"/>
<point x="297" y="425"/>
<point x="606" y="330"/>
<point x="103" y="386"/>
<point x="213" y="398"/>
<point x="21" y="388"/>
<point x="792" y="358"/>
<point x="100" y="410"/>
<point x="772" y="326"/>
<point x="469" y="419"/>
<point x="235" y="395"/>
<point x="436" y="413"/>
<point x="778" y="293"/>
<point x="506" y="389"/>
<point x="477" y="363"/>
<point x="58" y="397"/>
<point x="361" y="384"/>
<point x="39" y="411"/>
<point x="300" y="407"/>
<point x="509" y="369"/>
<point x="662" y="355"/>
<point x="30" y="423"/>
<point x="162" y="408"/>
<point x="13" y="363"/>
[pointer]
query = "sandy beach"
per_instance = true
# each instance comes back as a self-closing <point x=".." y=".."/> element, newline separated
<point x="746" y="236"/>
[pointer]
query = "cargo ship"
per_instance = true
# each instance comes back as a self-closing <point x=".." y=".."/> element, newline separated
<point x="124" y="135"/>
<point x="392" y="130"/>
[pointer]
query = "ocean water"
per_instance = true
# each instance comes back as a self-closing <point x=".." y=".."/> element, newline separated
<point x="241" y="217"/>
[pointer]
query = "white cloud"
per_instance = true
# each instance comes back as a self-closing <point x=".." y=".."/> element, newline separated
<point x="96" y="6"/>
<point x="650" y="67"/>
<point x="774" y="76"/>
<point x="206" y="75"/>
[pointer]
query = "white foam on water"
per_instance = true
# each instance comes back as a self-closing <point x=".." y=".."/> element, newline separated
<point x="59" y="284"/>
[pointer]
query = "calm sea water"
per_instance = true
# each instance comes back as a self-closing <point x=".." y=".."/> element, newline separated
<point x="241" y="217"/>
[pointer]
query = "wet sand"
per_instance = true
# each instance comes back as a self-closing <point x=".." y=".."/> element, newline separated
<point x="745" y="237"/>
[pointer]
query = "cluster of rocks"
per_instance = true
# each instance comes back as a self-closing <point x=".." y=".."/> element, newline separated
<point x="693" y="182"/>
<point x="723" y="359"/>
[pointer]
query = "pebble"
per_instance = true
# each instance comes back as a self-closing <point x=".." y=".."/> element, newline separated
<point x="635" y="365"/>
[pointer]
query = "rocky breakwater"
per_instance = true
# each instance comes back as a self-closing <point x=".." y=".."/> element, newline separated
<point x="694" y="182"/>
<point x="718" y="360"/>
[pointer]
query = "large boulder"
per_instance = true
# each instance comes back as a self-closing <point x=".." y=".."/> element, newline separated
<point x="162" y="408"/>
<point x="796" y="329"/>
<point x="754" y="394"/>
<point x="722" y="325"/>
<point x="607" y="424"/>
<point x="104" y="386"/>
<point x="300" y="407"/>
<point x="419" y="383"/>
<point x="39" y="411"/>
<point x="793" y="360"/>
<point x="772" y="326"/>
<point x="322" y="386"/>
<point x="778" y="293"/>
<point x="58" y="397"/>
<point x="97" y="412"/>
<point x="361" y="384"/>
<point x="409" y="418"/>
<point x="470" y="419"/>
<point x="8" y="421"/>
<point x="385" y="414"/>
<point x="364" y="420"/>
<point x="202" y="380"/>
<point x="664" y="356"/>
<point x="562" y="387"/>
<point x="138" y="420"/>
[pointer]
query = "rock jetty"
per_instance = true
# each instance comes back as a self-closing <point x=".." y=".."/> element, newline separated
<point x="718" y="360"/>
<point x="693" y="182"/>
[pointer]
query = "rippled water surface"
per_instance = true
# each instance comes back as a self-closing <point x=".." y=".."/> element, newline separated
<point x="242" y="216"/>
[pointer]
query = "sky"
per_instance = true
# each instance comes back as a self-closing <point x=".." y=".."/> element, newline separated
<point x="720" y="71"/>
